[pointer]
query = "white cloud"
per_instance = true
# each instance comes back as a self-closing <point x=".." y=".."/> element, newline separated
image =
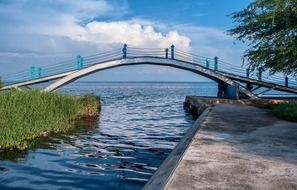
<point x="64" y="19"/>
<point x="46" y="32"/>
<point x="130" y="32"/>
<point x="211" y="41"/>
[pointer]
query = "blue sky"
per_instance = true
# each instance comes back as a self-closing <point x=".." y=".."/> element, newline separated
<point x="49" y="31"/>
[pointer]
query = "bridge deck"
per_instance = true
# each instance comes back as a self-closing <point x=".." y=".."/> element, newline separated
<point x="261" y="83"/>
<point x="37" y="81"/>
<point x="199" y="69"/>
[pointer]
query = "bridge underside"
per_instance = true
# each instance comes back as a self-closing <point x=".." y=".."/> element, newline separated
<point x="230" y="86"/>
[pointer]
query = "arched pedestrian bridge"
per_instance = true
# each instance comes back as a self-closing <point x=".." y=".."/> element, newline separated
<point x="233" y="81"/>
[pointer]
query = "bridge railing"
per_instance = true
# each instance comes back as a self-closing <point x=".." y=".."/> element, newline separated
<point x="211" y="63"/>
<point x="171" y="52"/>
<point x="241" y="70"/>
<point x="62" y="67"/>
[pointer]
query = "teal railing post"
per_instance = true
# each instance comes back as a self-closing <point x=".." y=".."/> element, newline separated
<point x="207" y="63"/>
<point x="248" y="73"/>
<point x="286" y="81"/>
<point x="125" y="51"/>
<point x="39" y="72"/>
<point x="172" y="51"/>
<point x="79" y="62"/>
<point x="166" y="53"/>
<point x="216" y="62"/>
<point x="260" y="70"/>
<point x="32" y="72"/>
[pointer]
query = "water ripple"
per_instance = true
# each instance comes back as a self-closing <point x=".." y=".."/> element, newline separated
<point x="140" y="123"/>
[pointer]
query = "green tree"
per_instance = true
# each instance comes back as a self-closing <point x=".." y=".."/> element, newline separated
<point x="270" y="28"/>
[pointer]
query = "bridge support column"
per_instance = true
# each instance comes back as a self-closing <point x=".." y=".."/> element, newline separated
<point x="228" y="91"/>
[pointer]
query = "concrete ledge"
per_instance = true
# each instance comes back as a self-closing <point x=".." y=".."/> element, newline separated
<point x="197" y="104"/>
<point x="162" y="175"/>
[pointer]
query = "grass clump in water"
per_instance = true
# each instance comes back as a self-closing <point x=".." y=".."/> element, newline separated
<point x="28" y="114"/>
<point x="285" y="111"/>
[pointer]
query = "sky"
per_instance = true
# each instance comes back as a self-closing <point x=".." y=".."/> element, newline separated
<point x="46" y="32"/>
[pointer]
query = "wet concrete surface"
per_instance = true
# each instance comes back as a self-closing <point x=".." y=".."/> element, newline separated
<point x="239" y="147"/>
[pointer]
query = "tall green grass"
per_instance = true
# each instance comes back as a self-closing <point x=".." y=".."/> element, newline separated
<point x="25" y="115"/>
<point x="285" y="111"/>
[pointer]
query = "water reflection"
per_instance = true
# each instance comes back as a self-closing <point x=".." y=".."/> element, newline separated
<point x="139" y="125"/>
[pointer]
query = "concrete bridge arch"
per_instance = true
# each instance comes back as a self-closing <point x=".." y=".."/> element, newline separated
<point x="231" y="90"/>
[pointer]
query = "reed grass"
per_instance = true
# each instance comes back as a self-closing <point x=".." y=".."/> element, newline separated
<point x="25" y="115"/>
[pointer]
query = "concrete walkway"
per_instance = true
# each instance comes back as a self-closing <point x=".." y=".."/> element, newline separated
<point x="239" y="147"/>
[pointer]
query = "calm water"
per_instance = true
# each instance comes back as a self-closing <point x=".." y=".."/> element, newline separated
<point x="140" y="123"/>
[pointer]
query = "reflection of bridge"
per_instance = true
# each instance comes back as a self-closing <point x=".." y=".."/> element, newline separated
<point x="233" y="81"/>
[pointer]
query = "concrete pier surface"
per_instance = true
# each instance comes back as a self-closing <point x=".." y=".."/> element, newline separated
<point x="235" y="147"/>
<point x="239" y="147"/>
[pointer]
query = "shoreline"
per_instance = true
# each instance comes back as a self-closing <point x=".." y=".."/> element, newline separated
<point x="30" y="114"/>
